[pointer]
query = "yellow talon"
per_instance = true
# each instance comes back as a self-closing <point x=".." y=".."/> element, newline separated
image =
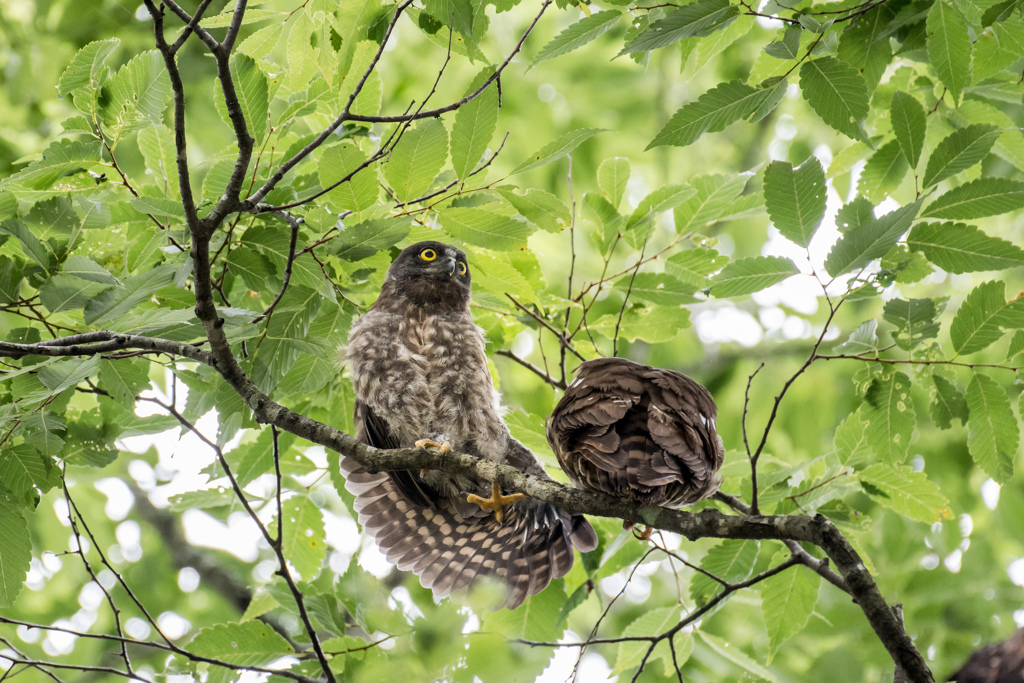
<point x="644" y="535"/>
<point x="427" y="443"/>
<point x="496" y="502"/>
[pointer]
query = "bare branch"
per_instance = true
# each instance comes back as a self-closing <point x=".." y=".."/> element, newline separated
<point x="556" y="383"/>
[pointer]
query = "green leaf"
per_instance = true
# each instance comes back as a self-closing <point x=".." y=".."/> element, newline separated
<point x="579" y="34"/>
<point x="66" y="374"/>
<point x="67" y="293"/>
<point x="361" y="190"/>
<point x="993" y="435"/>
<point x="699" y="19"/>
<point x="302" y="55"/>
<point x="959" y="248"/>
<point x="557" y="149"/>
<point x="23" y="468"/>
<point x="474" y="126"/>
<point x="483" y="228"/>
<point x="40" y="431"/>
<point x="750" y="275"/>
<point x="115" y="302"/>
<point x="142" y="87"/>
<point x="787" y="602"/>
<point x="978" y="199"/>
<point x="915" y="320"/>
<point x="250" y="644"/>
<point x="537" y="618"/>
<point x="652" y="623"/>
<point x="87" y="69"/>
<point x="123" y="379"/>
<point x="612" y="176"/>
<point x="694" y="266"/>
<point x="417" y="159"/>
<point x="158" y="206"/>
<point x="457" y="14"/>
<point x="949" y="46"/>
<point x="262" y="43"/>
<point x="959" y="151"/>
<point x="949" y="402"/>
<point x="253" y="96"/>
<point x="157" y="146"/>
<point x="883" y="172"/>
<point x="909" y="493"/>
<point x="660" y="200"/>
<point x="981" y="318"/>
<point x="653" y="325"/>
<point x="728" y="652"/>
<point x="362" y="240"/>
<point x="837" y="93"/>
<point x="863" y="243"/>
<point x="795" y="199"/>
<point x="657" y="288"/>
<point x="730" y="560"/>
<point x="543" y="209"/>
<point x="499" y="277"/>
<point x="788" y="47"/>
<point x="287" y="337"/>
<point x="891" y="416"/>
<point x="303" y="536"/>
<point x="61" y="159"/>
<point x="15" y="551"/>
<point x="719" y="107"/>
<point x="909" y="124"/>
<point x="714" y="201"/>
<point x="851" y="440"/>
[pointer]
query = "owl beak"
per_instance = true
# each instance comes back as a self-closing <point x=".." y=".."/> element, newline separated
<point x="450" y="265"/>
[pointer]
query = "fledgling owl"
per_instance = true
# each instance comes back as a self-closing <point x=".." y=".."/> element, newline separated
<point x="420" y="374"/>
<point x="637" y="432"/>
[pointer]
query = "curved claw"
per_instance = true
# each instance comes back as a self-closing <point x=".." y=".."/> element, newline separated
<point x="496" y="502"/>
<point x="427" y="443"/>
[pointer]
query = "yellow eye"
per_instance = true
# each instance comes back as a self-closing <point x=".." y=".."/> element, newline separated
<point x="462" y="268"/>
<point x="428" y="254"/>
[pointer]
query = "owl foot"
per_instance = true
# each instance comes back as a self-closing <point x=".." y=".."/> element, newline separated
<point x="427" y="443"/>
<point x="644" y="535"/>
<point x="496" y="502"/>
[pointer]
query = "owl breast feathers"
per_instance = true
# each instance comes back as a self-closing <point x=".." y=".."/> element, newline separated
<point x="419" y="370"/>
<point x="637" y="432"/>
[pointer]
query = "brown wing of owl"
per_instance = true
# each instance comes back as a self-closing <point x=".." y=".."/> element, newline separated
<point x="999" y="663"/>
<point x="637" y="432"/>
<point x="449" y="545"/>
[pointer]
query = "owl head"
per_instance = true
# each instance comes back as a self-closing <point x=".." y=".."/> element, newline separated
<point x="431" y="275"/>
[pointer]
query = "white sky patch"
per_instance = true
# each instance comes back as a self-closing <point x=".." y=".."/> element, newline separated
<point x="239" y="536"/>
<point x="1016" y="571"/>
<point x="727" y="323"/>
<point x="593" y="666"/>
<point x="990" y="493"/>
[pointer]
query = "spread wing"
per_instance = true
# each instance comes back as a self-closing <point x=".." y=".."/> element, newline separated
<point x="637" y="432"/>
<point x="430" y="533"/>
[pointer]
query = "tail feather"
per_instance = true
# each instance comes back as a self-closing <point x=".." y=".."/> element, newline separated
<point x="533" y="546"/>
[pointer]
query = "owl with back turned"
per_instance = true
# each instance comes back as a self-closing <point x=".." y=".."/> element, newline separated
<point x="419" y="370"/>
<point x="637" y="432"/>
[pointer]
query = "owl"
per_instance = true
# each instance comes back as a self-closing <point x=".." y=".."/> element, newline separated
<point x="637" y="432"/>
<point x="419" y="370"/>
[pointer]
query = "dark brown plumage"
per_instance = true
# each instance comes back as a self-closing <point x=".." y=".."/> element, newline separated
<point x="637" y="432"/>
<point x="999" y="663"/>
<point x="419" y="370"/>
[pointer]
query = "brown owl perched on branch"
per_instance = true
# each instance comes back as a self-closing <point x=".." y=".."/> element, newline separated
<point x="637" y="432"/>
<point x="420" y="374"/>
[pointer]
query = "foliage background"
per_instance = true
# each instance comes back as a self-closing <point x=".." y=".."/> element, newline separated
<point x="945" y="559"/>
